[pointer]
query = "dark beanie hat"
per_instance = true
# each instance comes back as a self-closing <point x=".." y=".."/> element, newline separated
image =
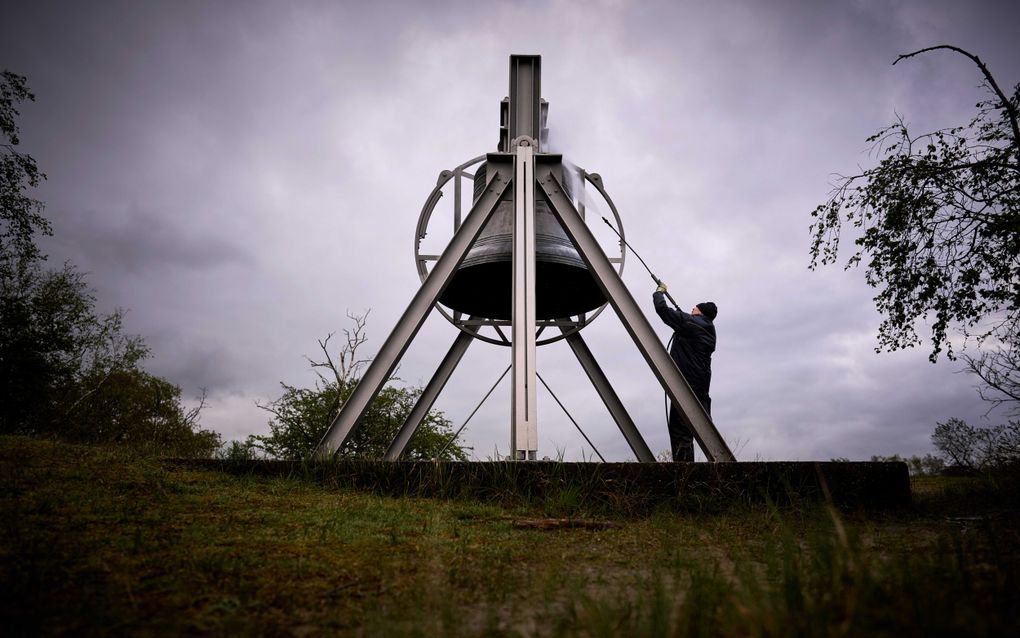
<point x="708" y="309"/>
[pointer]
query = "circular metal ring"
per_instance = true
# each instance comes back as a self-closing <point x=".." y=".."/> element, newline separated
<point x="473" y="325"/>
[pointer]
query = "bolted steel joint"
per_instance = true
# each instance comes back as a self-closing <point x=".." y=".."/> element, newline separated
<point x="525" y="141"/>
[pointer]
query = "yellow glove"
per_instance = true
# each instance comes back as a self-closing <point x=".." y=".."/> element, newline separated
<point x="662" y="287"/>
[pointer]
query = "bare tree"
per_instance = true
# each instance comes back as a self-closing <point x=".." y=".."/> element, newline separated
<point x="347" y="366"/>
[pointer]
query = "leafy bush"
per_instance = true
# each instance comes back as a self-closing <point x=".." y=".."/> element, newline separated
<point x="237" y="451"/>
<point x="301" y="416"/>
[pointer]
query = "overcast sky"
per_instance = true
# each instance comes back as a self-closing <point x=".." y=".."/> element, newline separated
<point x="240" y="175"/>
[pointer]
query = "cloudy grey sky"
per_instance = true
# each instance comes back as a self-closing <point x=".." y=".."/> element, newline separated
<point x="239" y="175"/>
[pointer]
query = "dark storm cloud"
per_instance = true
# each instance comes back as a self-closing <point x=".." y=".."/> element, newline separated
<point x="195" y="367"/>
<point x="139" y="244"/>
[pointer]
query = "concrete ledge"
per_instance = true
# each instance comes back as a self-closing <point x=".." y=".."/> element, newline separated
<point x="613" y="486"/>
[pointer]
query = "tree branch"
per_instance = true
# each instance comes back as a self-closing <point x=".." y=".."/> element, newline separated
<point x="324" y="346"/>
<point x="1011" y="111"/>
<point x="192" y="416"/>
<point x="999" y="372"/>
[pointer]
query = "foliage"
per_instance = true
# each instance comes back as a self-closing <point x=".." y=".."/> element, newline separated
<point x="237" y="451"/>
<point x="927" y="465"/>
<point x="20" y="216"/>
<point x="132" y="407"/>
<point x="65" y="369"/>
<point x="301" y="416"/>
<point x="51" y="338"/>
<point x="68" y="371"/>
<point x="978" y="448"/>
<point x="939" y="221"/>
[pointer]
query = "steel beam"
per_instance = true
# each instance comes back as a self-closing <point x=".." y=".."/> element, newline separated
<point x="609" y="397"/>
<point x="525" y="98"/>
<point x="524" y="393"/>
<point x="637" y="325"/>
<point x="430" y="394"/>
<point x="379" y="371"/>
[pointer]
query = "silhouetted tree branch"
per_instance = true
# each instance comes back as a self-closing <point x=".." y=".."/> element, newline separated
<point x="1004" y="102"/>
<point x="977" y="448"/>
<point x="939" y="226"/>
<point x="999" y="371"/>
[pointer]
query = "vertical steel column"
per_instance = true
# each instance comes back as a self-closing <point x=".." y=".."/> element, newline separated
<point x="524" y="416"/>
<point x="430" y="394"/>
<point x="525" y="109"/>
<point x="609" y="396"/>
<point x="647" y="342"/>
<point x="410" y="322"/>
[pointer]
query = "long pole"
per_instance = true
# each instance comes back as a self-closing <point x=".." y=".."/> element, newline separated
<point x="658" y="282"/>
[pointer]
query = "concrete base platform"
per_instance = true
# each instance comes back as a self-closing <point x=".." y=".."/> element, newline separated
<point x="610" y="486"/>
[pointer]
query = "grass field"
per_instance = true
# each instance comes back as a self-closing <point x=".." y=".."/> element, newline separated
<point x="95" y="541"/>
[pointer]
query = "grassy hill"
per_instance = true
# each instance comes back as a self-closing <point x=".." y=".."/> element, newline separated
<point x="98" y="541"/>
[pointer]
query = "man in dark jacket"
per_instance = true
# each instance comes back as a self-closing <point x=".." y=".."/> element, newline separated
<point x="693" y="345"/>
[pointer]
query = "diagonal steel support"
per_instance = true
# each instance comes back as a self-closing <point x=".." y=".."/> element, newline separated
<point x="410" y="322"/>
<point x="430" y="394"/>
<point x="647" y="342"/>
<point x="609" y="396"/>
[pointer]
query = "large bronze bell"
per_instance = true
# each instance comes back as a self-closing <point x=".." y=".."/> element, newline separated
<point x="483" y="285"/>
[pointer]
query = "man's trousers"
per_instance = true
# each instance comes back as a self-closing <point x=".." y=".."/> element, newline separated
<point x="681" y="439"/>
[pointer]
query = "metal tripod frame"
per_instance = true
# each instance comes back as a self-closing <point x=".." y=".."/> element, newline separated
<point x="507" y="171"/>
<point x="522" y="165"/>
